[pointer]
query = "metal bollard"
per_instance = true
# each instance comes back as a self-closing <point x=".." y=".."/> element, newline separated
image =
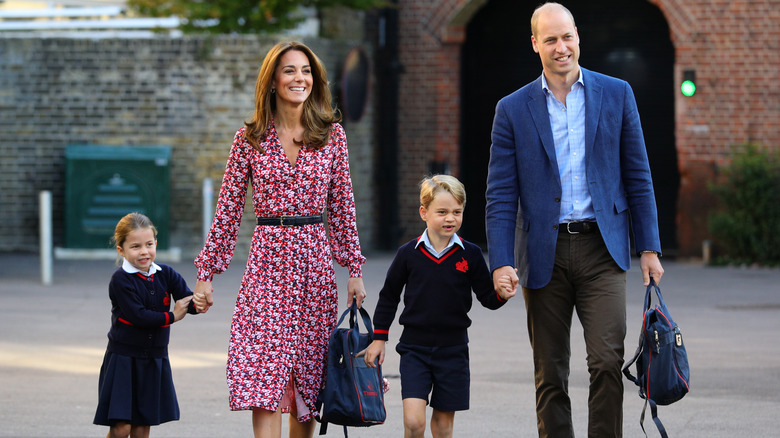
<point x="208" y="202"/>
<point x="44" y="229"/>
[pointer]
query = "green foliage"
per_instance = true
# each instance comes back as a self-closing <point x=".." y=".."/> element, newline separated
<point x="747" y="228"/>
<point x="239" y="16"/>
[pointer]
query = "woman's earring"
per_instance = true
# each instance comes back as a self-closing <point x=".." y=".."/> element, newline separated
<point x="273" y="90"/>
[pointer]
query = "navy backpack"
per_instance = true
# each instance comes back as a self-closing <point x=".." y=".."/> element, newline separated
<point x="662" y="371"/>
<point x="353" y="394"/>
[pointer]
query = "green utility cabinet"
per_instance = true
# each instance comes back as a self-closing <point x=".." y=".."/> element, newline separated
<point x="104" y="183"/>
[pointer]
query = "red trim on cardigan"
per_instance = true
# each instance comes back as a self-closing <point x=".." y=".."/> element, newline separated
<point x="433" y="257"/>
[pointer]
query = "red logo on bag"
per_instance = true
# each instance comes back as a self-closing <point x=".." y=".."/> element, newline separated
<point x="371" y="391"/>
<point x="462" y="265"/>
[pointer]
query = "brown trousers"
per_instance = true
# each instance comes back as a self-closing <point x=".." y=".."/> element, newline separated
<point x="585" y="278"/>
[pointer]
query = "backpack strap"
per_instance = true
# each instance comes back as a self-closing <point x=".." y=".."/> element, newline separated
<point x="324" y="427"/>
<point x="656" y="420"/>
<point x="627" y="366"/>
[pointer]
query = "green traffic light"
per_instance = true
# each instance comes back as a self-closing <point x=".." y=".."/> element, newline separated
<point x="688" y="88"/>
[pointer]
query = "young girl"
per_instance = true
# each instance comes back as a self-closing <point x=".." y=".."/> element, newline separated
<point x="436" y="273"/>
<point x="135" y="390"/>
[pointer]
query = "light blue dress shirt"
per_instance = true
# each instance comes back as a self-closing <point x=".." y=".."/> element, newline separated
<point x="568" y="128"/>
<point x="454" y="240"/>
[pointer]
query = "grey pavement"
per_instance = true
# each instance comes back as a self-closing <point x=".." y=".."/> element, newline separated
<point x="52" y="339"/>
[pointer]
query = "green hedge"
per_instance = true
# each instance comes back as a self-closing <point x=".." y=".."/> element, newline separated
<point x="746" y="228"/>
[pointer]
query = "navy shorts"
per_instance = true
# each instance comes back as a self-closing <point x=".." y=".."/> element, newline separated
<point x="444" y="370"/>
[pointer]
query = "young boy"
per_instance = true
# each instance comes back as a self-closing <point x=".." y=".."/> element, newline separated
<point x="438" y="270"/>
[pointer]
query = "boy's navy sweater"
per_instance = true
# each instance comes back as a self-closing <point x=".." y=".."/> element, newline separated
<point x="140" y="311"/>
<point x="437" y="295"/>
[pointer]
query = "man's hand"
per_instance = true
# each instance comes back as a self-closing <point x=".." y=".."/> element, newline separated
<point x="505" y="271"/>
<point x="651" y="267"/>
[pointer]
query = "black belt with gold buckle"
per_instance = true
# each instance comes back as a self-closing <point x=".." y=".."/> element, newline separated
<point x="289" y="221"/>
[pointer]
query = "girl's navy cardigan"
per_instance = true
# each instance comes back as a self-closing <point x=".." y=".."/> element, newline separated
<point x="140" y="311"/>
<point x="437" y="295"/>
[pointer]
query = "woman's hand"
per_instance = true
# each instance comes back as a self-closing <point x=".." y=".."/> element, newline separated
<point x="356" y="291"/>
<point x="202" y="296"/>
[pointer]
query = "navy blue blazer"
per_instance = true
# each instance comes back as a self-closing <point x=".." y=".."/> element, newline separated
<point x="524" y="187"/>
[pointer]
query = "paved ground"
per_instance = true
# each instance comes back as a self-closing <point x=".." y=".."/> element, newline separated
<point x="52" y="339"/>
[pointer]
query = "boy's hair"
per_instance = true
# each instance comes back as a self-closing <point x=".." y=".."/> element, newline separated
<point x="433" y="185"/>
<point x="128" y="224"/>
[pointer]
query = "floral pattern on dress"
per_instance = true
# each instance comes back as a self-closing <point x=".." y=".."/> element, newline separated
<point x="288" y="300"/>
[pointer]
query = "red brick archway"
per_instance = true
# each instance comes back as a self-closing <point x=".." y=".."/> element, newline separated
<point x="431" y="35"/>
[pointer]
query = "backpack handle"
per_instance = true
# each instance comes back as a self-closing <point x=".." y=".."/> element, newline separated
<point x="353" y="311"/>
<point x="652" y="286"/>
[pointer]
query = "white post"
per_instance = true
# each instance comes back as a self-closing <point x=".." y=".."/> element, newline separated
<point x="706" y="251"/>
<point x="208" y="201"/>
<point x="44" y="206"/>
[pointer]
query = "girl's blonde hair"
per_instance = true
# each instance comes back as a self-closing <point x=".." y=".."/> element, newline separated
<point x="433" y="185"/>
<point x="128" y="224"/>
<point x="318" y="114"/>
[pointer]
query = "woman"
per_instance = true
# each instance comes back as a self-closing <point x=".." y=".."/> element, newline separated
<point x="294" y="153"/>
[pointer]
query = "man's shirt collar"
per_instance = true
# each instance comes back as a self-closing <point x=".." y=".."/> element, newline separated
<point x="546" y="89"/>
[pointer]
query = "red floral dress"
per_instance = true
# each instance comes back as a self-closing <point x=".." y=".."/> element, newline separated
<point x="288" y="301"/>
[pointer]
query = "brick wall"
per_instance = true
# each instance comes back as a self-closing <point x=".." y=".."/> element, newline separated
<point x="430" y="100"/>
<point x="191" y="93"/>
<point x="57" y="92"/>
<point x="733" y="47"/>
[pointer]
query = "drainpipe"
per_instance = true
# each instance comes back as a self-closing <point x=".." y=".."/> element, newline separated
<point x="388" y="71"/>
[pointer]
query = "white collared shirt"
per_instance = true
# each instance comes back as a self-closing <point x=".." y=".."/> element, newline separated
<point x="130" y="269"/>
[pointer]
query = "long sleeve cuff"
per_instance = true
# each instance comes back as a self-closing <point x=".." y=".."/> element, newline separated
<point x="355" y="270"/>
<point x="204" y="274"/>
<point x="381" y="335"/>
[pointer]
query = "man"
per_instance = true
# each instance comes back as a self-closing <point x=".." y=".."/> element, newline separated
<point x="568" y="174"/>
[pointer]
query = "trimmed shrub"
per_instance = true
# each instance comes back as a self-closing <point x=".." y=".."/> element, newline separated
<point x="746" y="228"/>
